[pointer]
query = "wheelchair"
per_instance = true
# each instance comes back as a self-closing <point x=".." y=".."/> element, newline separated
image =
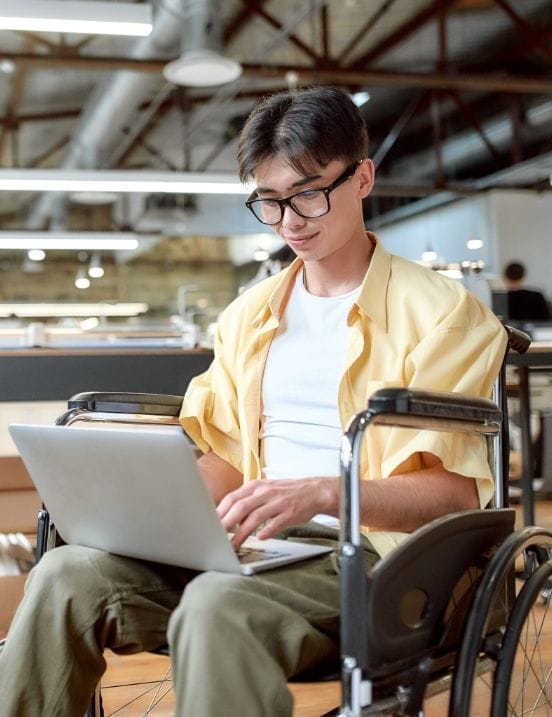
<point x="460" y="607"/>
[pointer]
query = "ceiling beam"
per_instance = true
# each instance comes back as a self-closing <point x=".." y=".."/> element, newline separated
<point x="394" y="133"/>
<point x="521" y="84"/>
<point x="22" y="118"/>
<point x="271" y="20"/>
<point x="241" y="19"/>
<point x="369" y="26"/>
<point x="537" y="40"/>
<point x="403" y="32"/>
<point x="431" y="80"/>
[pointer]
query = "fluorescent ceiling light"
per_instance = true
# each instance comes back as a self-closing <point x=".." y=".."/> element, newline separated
<point x="119" y="180"/>
<point x="102" y="308"/>
<point x="68" y="241"/>
<point x="78" y="16"/>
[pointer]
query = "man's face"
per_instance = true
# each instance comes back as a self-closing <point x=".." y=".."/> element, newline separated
<point x="315" y="239"/>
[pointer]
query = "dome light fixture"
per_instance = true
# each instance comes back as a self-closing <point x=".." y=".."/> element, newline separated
<point x="202" y="62"/>
<point x="429" y="254"/>
<point x="202" y="68"/>
<point x="474" y="243"/>
<point x="95" y="268"/>
<point x="81" y="280"/>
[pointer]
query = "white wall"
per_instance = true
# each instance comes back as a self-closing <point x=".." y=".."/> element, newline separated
<point x="524" y="233"/>
<point x="445" y="230"/>
<point x="514" y="225"/>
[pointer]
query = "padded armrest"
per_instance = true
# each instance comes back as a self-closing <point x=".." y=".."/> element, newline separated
<point x="518" y="340"/>
<point x="432" y="404"/>
<point x="137" y="403"/>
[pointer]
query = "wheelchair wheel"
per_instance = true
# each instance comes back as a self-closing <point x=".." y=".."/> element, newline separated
<point x="502" y="605"/>
<point x="147" y="692"/>
<point x="96" y="705"/>
<point x="523" y="681"/>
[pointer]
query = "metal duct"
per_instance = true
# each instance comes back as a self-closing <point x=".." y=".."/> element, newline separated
<point x="460" y="151"/>
<point x="202" y="63"/>
<point x="467" y="147"/>
<point x="202" y="27"/>
<point x="113" y="105"/>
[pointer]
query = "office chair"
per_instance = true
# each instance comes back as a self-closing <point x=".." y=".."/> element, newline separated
<point x="459" y="606"/>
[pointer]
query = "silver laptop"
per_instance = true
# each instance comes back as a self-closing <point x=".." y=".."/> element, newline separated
<point x="139" y="493"/>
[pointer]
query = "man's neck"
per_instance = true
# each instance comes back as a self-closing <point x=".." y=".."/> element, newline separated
<point x="337" y="275"/>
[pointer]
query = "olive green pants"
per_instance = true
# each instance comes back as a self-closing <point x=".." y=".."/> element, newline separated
<point x="234" y="640"/>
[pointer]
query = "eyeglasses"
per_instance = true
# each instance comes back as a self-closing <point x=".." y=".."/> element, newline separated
<point x="310" y="204"/>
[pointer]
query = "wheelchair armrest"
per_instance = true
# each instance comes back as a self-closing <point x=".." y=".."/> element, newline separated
<point x="408" y="408"/>
<point x="518" y="340"/>
<point x="151" y="403"/>
<point x="388" y="405"/>
<point x="91" y="404"/>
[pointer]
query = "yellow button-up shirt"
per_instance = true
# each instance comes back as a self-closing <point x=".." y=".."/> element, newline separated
<point x="410" y="327"/>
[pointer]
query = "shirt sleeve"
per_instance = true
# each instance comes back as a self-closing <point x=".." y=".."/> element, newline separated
<point x="209" y="413"/>
<point x="463" y="354"/>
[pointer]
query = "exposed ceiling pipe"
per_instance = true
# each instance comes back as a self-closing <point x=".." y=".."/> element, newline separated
<point x="114" y="105"/>
<point x="467" y="147"/>
<point x="460" y="151"/>
<point x="202" y="63"/>
<point x="505" y="178"/>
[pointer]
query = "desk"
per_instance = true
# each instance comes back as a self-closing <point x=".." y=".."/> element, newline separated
<point x="537" y="358"/>
<point x="46" y="374"/>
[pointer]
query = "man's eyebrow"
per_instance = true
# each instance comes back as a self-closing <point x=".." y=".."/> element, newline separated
<point x="299" y="183"/>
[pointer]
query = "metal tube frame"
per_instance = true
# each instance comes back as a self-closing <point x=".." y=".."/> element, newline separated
<point x="353" y="594"/>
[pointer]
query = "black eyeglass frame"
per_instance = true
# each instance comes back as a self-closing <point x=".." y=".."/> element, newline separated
<point x="288" y="201"/>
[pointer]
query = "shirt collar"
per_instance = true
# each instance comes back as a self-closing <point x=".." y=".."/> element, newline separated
<point x="372" y="298"/>
<point x="277" y="299"/>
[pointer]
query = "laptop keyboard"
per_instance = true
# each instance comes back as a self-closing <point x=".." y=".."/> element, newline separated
<point x="252" y="555"/>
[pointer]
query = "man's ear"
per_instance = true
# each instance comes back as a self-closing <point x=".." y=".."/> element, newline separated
<point x="366" y="175"/>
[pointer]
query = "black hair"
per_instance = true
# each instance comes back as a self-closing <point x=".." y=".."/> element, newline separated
<point x="515" y="271"/>
<point x="308" y="128"/>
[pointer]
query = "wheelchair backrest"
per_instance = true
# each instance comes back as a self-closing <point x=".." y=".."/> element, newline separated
<point x="418" y="596"/>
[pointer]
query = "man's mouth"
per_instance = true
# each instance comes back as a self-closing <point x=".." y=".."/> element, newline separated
<point x="299" y="240"/>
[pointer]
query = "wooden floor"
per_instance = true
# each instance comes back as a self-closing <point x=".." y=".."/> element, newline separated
<point x="311" y="700"/>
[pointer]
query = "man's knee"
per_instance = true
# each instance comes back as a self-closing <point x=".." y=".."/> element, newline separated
<point x="206" y="596"/>
<point x="66" y="568"/>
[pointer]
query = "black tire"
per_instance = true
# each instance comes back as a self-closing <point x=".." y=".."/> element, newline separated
<point x="482" y="643"/>
<point x="96" y="705"/>
<point x="523" y="681"/>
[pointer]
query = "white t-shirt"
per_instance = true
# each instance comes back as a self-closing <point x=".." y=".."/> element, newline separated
<point x="301" y="432"/>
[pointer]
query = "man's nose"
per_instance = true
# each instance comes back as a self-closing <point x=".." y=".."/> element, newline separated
<point x="290" y="217"/>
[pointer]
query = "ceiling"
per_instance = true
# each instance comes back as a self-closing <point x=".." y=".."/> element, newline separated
<point x="460" y="100"/>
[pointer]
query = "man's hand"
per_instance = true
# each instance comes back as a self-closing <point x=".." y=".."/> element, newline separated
<point x="275" y="505"/>
<point x="401" y="502"/>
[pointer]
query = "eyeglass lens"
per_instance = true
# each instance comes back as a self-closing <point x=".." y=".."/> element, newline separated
<point x="309" y="204"/>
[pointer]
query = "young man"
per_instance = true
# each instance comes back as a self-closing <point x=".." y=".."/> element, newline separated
<point x="296" y="357"/>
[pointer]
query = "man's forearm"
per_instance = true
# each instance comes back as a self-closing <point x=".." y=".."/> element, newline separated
<point x="219" y="475"/>
<point x="407" y="501"/>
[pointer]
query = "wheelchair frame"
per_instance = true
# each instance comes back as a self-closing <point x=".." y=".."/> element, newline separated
<point x="447" y="646"/>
